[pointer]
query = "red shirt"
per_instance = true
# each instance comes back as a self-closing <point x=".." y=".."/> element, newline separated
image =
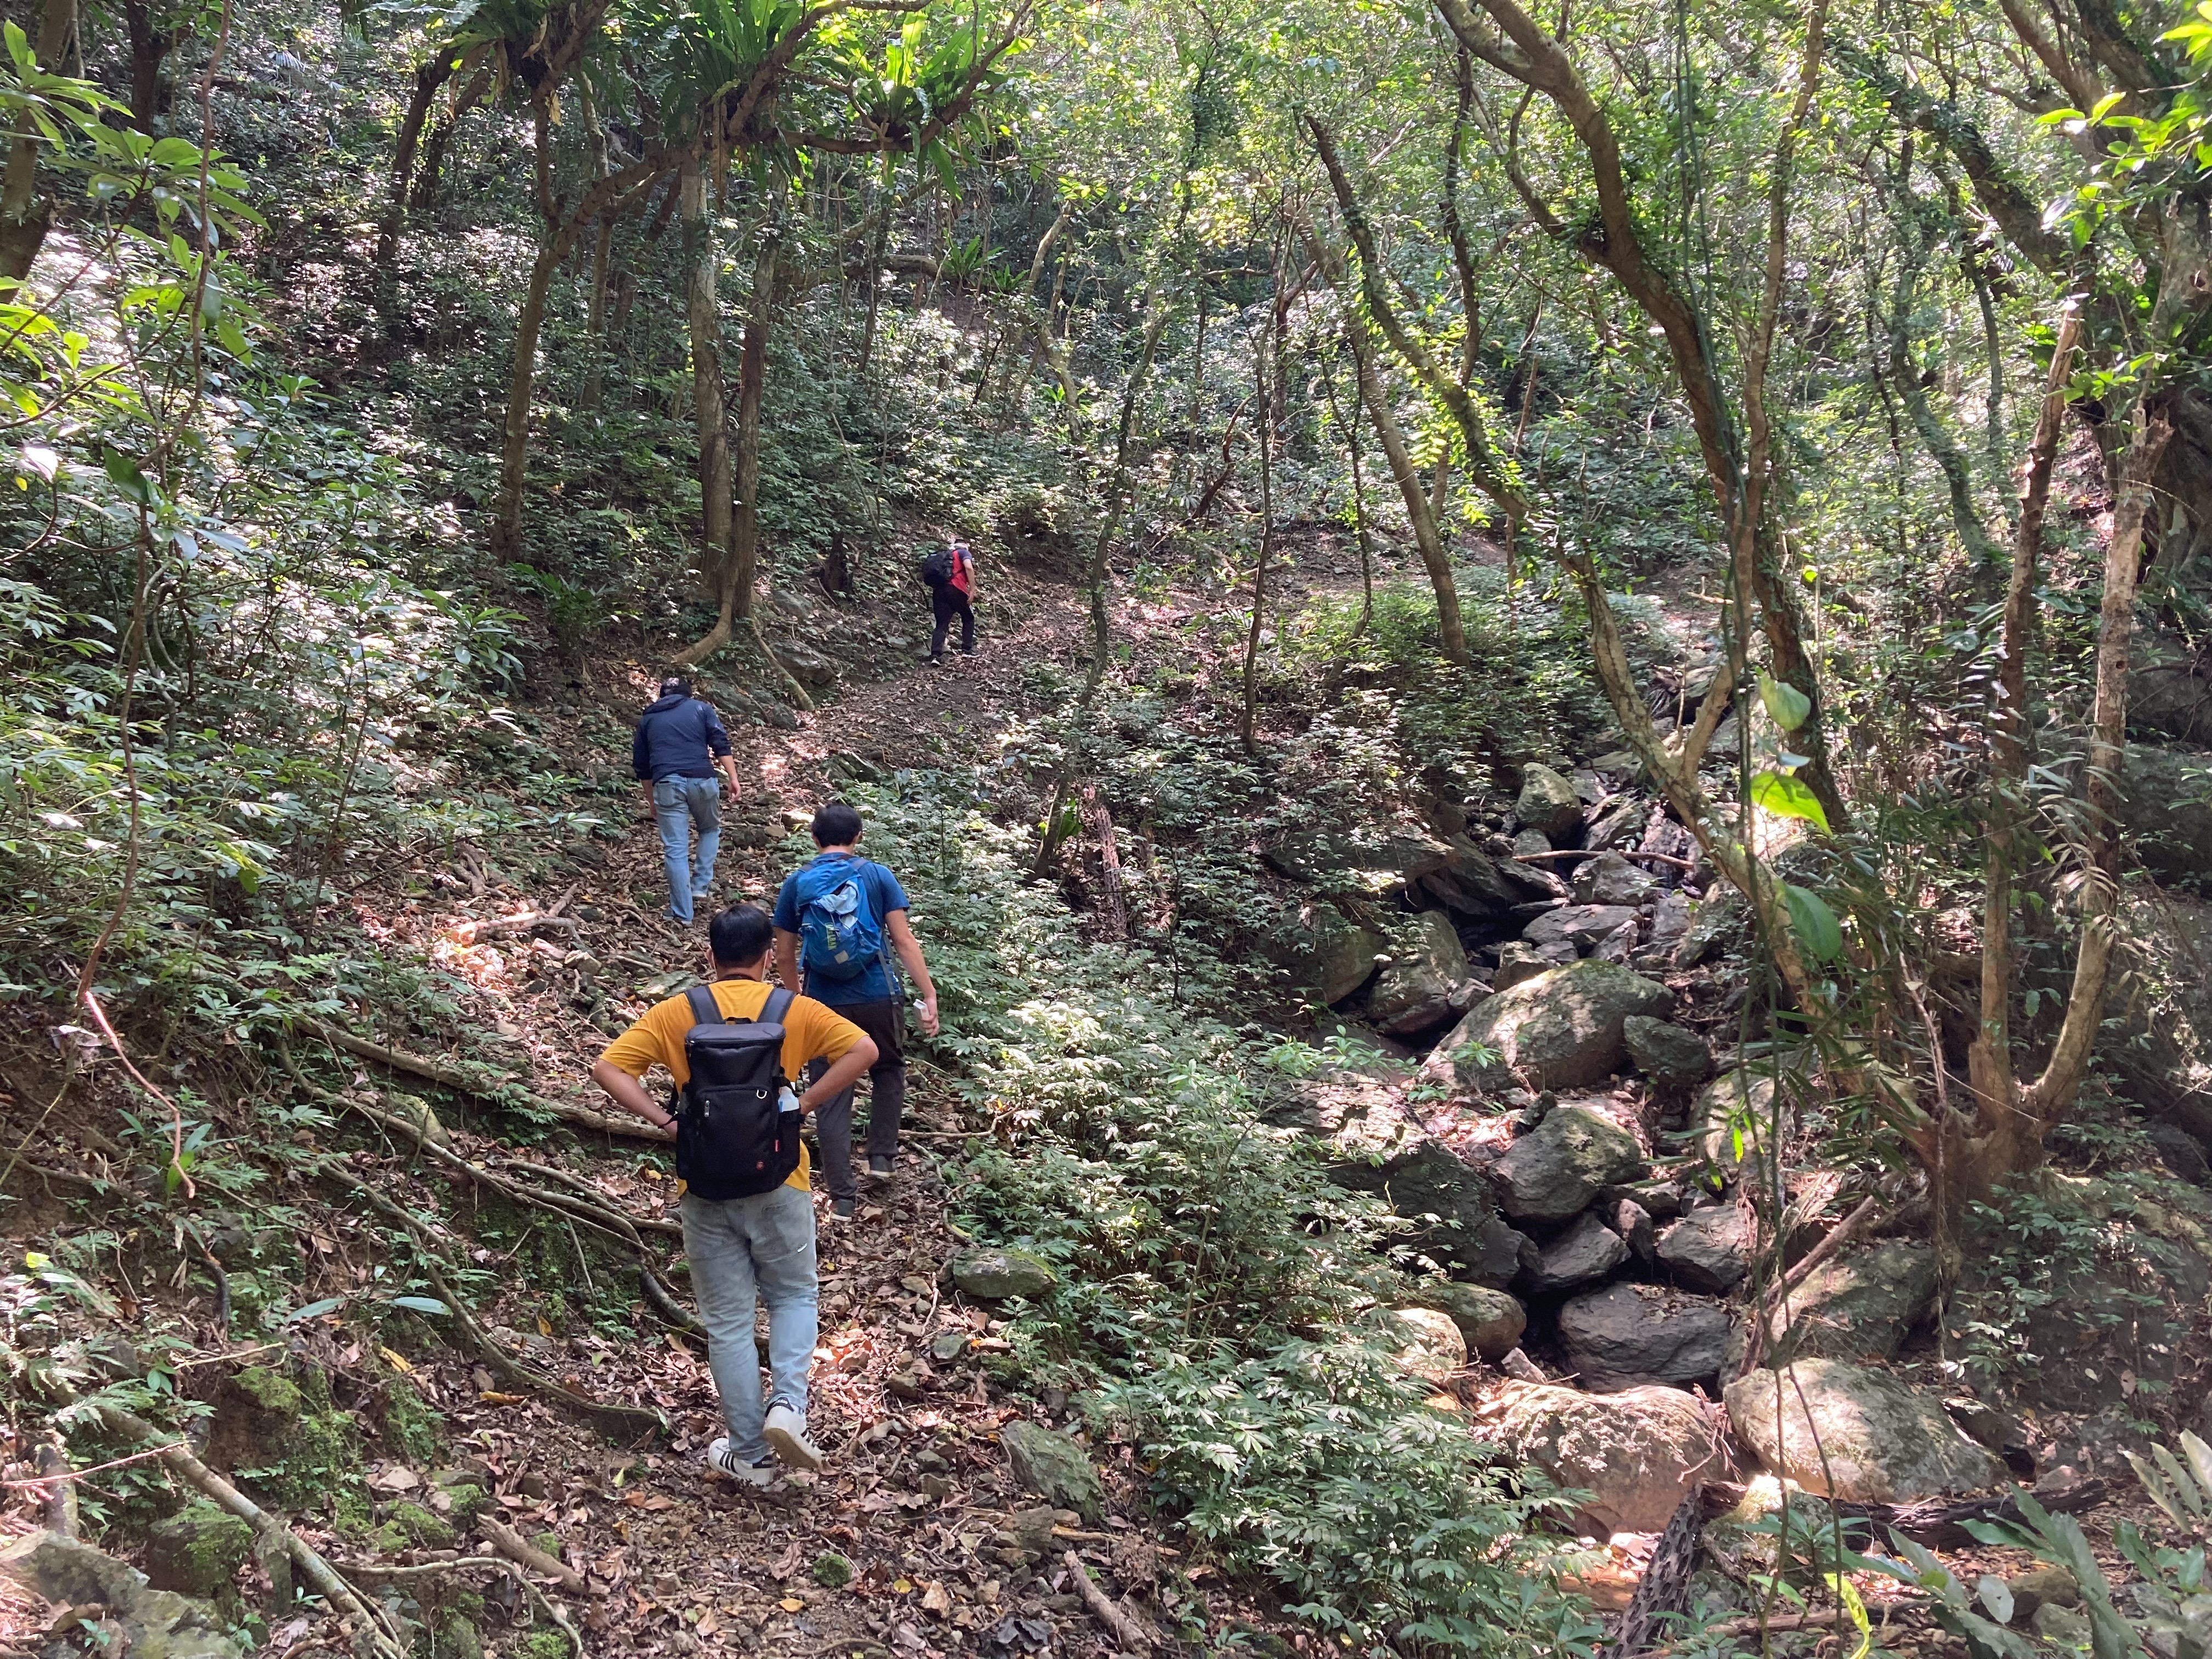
<point x="964" y="563"/>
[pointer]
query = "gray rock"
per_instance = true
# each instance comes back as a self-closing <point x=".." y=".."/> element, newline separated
<point x="1609" y="879"/>
<point x="1517" y="962"/>
<point x="1708" y="1249"/>
<point x="1857" y="1305"/>
<point x="1522" y="1369"/>
<point x="1850" y="1432"/>
<point x="1668" y="1054"/>
<point x="197" y="1550"/>
<point x="1424" y="1180"/>
<point x="1532" y="840"/>
<point x="1464" y="879"/>
<point x="1561" y="1029"/>
<point x="1339" y="954"/>
<point x="1633" y="1223"/>
<point x="1427" y="966"/>
<point x="1054" y="1467"/>
<point x="1551" y="1173"/>
<point x="1670" y="923"/>
<point x="1637" y="1452"/>
<point x="1549" y="803"/>
<point x="2064" y="1628"/>
<point x="1588" y="1250"/>
<point x="1661" y="1199"/>
<point x="1618" y="945"/>
<point x="155" y="1623"/>
<point x="2040" y="1586"/>
<point x="1731" y="1116"/>
<point x="1491" y="1321"/>
<point x="994" y="1276"/>
<point x="2181" y="1153"/>
<point x="1627" y="1334"/>
<point x="1579" y="925"/>
<point x="2168" y="811"/>
<point x="1620" y="826"/>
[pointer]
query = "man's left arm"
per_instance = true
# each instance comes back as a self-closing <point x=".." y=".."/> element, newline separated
<point x="718" y="746"/>
<point x="910" y="955"/>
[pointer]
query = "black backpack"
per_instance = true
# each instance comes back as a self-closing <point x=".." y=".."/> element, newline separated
<point x="731" y="1139"/>
<point x="936" y="569"/>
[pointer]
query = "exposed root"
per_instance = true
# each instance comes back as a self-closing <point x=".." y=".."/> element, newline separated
<point x="1122" y="1625"/>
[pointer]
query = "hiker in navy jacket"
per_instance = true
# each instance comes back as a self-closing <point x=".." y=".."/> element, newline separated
<point x="678" y="744"/>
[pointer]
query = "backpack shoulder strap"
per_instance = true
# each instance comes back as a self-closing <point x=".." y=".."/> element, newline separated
<point x="705" y="1011"/>
<point x="778" y="1004"/>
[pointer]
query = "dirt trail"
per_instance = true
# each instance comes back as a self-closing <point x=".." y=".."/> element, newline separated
<point x="916" y="1496"/>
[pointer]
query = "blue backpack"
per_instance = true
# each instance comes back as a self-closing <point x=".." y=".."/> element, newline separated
<point x="840" y="935"/>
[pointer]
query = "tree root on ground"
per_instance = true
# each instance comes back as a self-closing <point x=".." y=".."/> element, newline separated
<point x="625" y="1422"/>
<point x="1122" y="1625"/>
<point x="512" y="1545"/>
<point x="377" y="1572"/>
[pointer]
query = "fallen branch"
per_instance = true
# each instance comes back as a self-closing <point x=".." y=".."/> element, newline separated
<point x="320" y="1574"/>
<point x="474" y="932"/>
<point x="512" y="1545"/>
<point x="1666" y="858"/>
<point x="57" y="1491"/>
<point x="1936" y="1524"/>
<point x="1122" y="1625"/>
<point x="1839" y="1235"/>
<point x="481" y="1088"/>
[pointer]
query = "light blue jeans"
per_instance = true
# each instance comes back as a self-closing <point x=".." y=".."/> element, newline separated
<point x="746" y="1249"/>
<point x="679" y="804"/>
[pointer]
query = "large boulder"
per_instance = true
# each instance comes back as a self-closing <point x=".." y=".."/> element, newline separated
<point x="1588" y="1250"/>
<point x="2166" y="809"/>
<point x="1551" y="1173"/>
<point x="152" y="1623"/>
<point x="1609" y="879"/>
<point x="1670" y="1056"/>
<point x="1856" y="1305"/>
<point x="1431" y="1343"/>
<point x="1851" y="1432"/>
<point x="1579" y="925"/>
<point x="1054" y="1466"/>
<point x="1627" y="1334"/>
<point x="1337" y="955"/>
<point x="1559" y="1030"/>
<point x="2161" y="1000"/>
<point x="1489" y="1321"/>
<point x="1377" y="1149"/>
<point x="1428" y="970"/>
<point x="1708" y="1249"/>
<point x="1548" y="803"/>
<point x="1464" y="879"/>
<point x="197" y="1550"/>
<point x="1637" y="1452"/>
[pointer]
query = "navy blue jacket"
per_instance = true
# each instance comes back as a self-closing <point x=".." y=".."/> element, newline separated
<point x="676" y="738"/>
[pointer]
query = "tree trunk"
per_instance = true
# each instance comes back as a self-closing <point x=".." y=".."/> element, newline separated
<point x="1266" y="538"/>
<point x="148" y="46"/>
<point x="874" y="278"/>
<point x="702" y="269"/>
<point x="24" y="214"/>
<point x="385" y="269"/>
<point x="1358" y="504"/>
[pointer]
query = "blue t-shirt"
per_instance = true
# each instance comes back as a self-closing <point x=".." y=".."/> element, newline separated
<point x="885" y="894"/>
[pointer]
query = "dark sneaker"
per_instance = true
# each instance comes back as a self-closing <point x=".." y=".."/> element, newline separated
<point x="787" y="1436"/>
<point x="879" y="1166"/>
<point x="843" y="1208"/>
<point x="723" y="1459"/>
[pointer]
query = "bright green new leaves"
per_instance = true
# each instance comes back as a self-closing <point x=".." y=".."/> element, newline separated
<point x="1819" y="934"/>
<point x="1786" y="796"/>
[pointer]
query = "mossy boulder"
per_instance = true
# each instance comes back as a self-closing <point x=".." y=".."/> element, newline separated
<point x="1561" y="1029"/>
<point x="409" y="1526"/>
<point x="1054" y="1467"/>
<point x="283" y="1436"/>
<point x="995" y="1275"/>
<point x="197" y="1550"/>
<point x="410" y="1427"/>
<point x="1491" y="1321"/>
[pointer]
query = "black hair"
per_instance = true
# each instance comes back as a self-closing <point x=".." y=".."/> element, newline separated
<point x="675" y="686"/>
<point x="740" y="935"/>
<point x="836" y="825"/>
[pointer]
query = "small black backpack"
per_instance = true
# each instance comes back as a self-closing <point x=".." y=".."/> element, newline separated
<point x="732" y="1140"/>
<point x="936" y="569"/>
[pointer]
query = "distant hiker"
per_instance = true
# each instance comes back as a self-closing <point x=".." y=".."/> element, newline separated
<point x="733" y="1047"/>
<point x="838" y="918"/>
<point x="948" y="573"/>
<point x="679" y="743"/>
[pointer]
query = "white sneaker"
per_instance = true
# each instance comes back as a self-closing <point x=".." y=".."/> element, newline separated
<point x="722" y="1458"/>
<point x="787" y="1436"/>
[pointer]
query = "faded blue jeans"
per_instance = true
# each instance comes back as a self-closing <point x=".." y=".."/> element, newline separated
<point x="742" y="1249"/>
<point x="678" y="805"/>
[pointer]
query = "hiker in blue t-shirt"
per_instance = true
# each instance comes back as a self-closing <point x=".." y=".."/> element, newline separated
<point x="838" y="918"/>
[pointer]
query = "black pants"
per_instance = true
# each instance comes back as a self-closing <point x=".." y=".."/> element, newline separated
<point x="885" y="1021"/>
<point x="948" y="602"/>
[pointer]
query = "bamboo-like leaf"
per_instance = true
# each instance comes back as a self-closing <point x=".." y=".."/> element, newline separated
<point x="2184" y="1486"/>
<point x="2200" y="1458"/>
<point x="2155" y="1487"/>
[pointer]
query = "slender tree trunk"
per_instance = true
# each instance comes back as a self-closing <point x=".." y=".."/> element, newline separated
<point x="1359" y="504"/>
<point x="1989" y="1056"/>
<point x="385" y="268"/>
<point x="1267" y="538"/>
<point x="148" y="46"/>
<point x="24" y="214"/>
<point x="595" y="311"/>
<point x="874" y="275"/>
<point x="701" y="271"/>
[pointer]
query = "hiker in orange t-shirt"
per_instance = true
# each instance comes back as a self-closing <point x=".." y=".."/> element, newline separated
<point x="733" y="1047"/>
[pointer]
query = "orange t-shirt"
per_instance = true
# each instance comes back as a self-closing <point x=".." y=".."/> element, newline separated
<point x="810" y="1032"/>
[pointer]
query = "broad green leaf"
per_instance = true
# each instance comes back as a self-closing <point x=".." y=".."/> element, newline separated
<point x="314" y="1310"/>
<point x="420" y="1304"/>
<point x="1813" y="923"/>
<point x="1995" y="1597"/>
<point x="1787" y="797"/>
<point x="1789" y="707"/>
